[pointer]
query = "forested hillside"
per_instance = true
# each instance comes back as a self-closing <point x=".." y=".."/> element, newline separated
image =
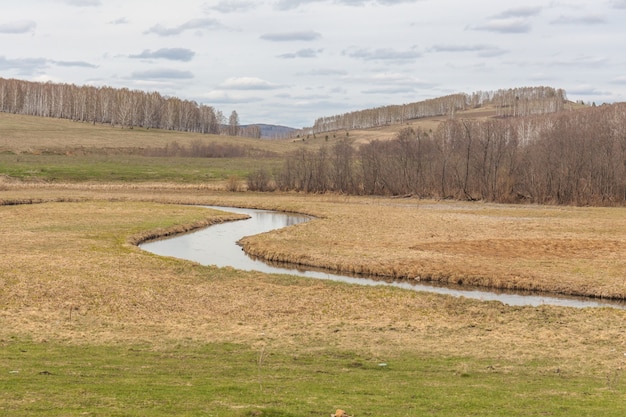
<point x="573" y="157"/>
<point x="107" y="105"/>
<point x="515" y="102"/>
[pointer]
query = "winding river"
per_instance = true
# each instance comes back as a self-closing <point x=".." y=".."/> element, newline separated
<point x="217" y="245"/>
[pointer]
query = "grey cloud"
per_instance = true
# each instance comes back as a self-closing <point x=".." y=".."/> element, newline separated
<point x="394" y="2"/>
<point x="232" y="6"/>
<point x="161" y="74"/>
<point x="120" y="21"/>
<point x="619" y="4"/>
<point x="304" y="96"/>
<point x="325" y="72"/>
<point x="173" y="54"/>
<point x="484" y="51"/>
<point x="291" y="36"/>
<point x="388" y="90"/>
<point x="513" y="20"/>
<point x="587" y="61"/>
<point x="585" y="90"/>
<point x="293" y="4"/>
<point x="579" y="20"/>
<point x="23" y="26"/>
<point x="619" y="80"/>
<point x="383" y="54"/>
<point x="302" y="53"/>
<point x="524" y="11"/>
<point x="24" y="66"/>
<point x="204" y="23"/>
<point x="84" y="3"/>
<point x="505" y="26"/>
<point x="81" y="64"/>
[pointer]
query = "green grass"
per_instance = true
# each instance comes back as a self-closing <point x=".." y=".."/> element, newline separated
<point x="113" y="168"/>
<point x="50" y="379"/>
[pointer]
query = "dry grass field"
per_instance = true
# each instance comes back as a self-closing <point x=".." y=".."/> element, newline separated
<point x="74" y="255"/>
<point x="73" y="279"/>
<point x="567" y="250"/>
<point x="19" y="133"/>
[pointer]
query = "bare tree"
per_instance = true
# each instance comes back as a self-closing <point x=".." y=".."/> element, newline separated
<point x="233" y="124"/>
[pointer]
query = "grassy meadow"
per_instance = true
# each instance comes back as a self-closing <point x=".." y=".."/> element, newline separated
<point x="92" y="325"/>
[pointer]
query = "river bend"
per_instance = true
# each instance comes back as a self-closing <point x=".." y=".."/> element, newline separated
<point x="217" y="245"/>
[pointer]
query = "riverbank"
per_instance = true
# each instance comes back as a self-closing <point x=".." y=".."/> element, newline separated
<point x="578" y="251"/>
<point x="271" y="344"/>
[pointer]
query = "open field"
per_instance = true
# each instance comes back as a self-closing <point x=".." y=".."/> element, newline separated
<point x="129" y="168"/>
<point x="90" y="324"/>
<point x="19" y="133"/>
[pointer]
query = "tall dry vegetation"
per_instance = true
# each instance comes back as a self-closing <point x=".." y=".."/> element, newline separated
<point x="199" y="149"/>
<point x="564" y="158"/>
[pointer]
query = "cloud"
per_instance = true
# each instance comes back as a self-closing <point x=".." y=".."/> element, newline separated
<point x="247" y="83"/>
<point x="294" y="4"/>
<point x="291" y="36"/>
<point x="302" y="53"/>
<point x="80" y="64"/>
<point x="619" y="4"/>
<point x="301" y="97"/>
<point x="395" y="78"/>
<point x="24" y="66"/>
<point x="484" y="51"/>
<point x="383" y="54"/>
<point x="232" y="6"/>
<point x="579" y="20"/>
<point x="223" y="97"/>
<point x="523" y="11"/>
<point x="173" y="54"/>
<point x="22" y="26"/>
<point x="619" y="80"/>
<point x="581" y="61"/>
<point x="388" y="90"/>
<point x="204" y="23"/>
<point x="120" y="21"/>
<point x="324" y="72"/>
<point x="515" y="20"/>
<point x="509" y="25"/>
<point x="587" y="90"/>
<point x="162" y="74"/>
<point x="84" y="3"/>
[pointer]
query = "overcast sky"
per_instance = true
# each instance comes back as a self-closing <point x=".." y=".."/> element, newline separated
<point x="290" y="61"/>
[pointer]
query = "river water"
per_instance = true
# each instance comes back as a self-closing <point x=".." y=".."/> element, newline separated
<point x="217" y="245"/>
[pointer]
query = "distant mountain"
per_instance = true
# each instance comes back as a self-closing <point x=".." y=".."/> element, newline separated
<point x="272" y="131"/>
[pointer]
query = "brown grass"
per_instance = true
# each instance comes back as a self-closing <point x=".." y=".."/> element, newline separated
<point x="567" y="250"/>
<point x="580" y="251"/>
<point x="19" y="133"/>
<point x="68" y="273"/>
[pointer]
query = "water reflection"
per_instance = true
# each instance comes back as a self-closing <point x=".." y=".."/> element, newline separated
<point x="216" y="245"/>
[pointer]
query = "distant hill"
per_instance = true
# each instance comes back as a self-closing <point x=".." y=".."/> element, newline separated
<point x="272" y="131"/>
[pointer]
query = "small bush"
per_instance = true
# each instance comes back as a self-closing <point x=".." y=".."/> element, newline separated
<point x="233" y="183"/>
<point x="260" y="180"/>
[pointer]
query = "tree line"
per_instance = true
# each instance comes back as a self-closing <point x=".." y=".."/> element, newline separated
<point x="115" y="106"/>
<point x="514" y="102"/>
<point x="576" y="157"/>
